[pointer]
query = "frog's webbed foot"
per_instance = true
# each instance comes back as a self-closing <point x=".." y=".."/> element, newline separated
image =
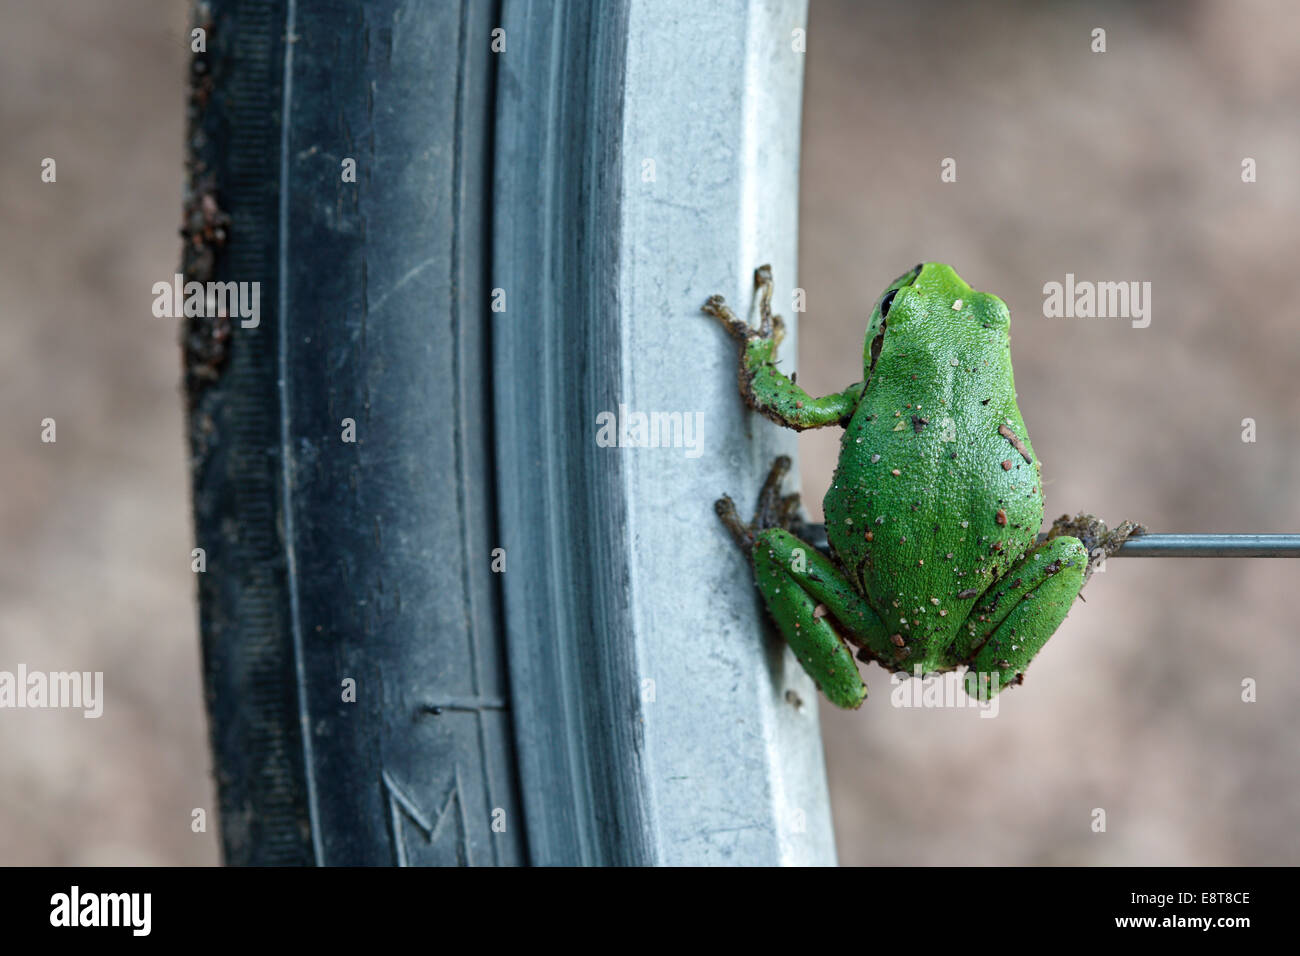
<point x="770" y="328"/>
<point x="1100" y="541"/>
<point x="773" y="510"/>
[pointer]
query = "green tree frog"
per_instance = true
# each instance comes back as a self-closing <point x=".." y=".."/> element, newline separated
<point x="932" y="517"/>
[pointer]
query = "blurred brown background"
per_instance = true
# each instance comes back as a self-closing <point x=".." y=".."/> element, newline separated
<point x="1117" y="166"/>
<point x="95" y="572"/>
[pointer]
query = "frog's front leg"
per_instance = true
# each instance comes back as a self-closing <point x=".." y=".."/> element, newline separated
<point x="765" y="389"/>
<point x="816" y="609"/>
<point x="1012" y="621"/>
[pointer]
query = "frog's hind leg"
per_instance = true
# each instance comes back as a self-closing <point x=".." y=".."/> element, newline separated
<point x="815" y="607"/>
<point x="1011" y="623"/>
<point x="818" y="613"/>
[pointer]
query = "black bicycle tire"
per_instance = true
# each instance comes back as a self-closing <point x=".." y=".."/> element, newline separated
<point x="330" y="561"/>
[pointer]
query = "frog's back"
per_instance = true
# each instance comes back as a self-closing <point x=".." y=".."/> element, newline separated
<point x="937" y="491"/>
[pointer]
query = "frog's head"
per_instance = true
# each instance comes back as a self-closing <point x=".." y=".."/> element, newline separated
<point x="930" y="302"/>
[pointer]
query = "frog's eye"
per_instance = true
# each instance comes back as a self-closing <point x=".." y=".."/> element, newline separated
<point x="886" y="302"/>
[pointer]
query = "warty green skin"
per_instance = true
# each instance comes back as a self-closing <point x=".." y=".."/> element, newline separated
<point x="935" y="506"/>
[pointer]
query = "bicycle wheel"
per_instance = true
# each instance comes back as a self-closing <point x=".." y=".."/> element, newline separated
<point x="426" y="614"/>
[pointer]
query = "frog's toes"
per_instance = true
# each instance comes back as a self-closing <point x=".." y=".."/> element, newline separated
<point x="737" y="327"/>
<point x="1099" y="541"/>
<point x="741" y="532"/>
<point x="716" y="305"/>
<point x="770" y="326"/>
<point x="773" y="510"/>
<point x="789" y="512"/>
<point x="763" y="284"/>
<point x="767" y="498"/>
